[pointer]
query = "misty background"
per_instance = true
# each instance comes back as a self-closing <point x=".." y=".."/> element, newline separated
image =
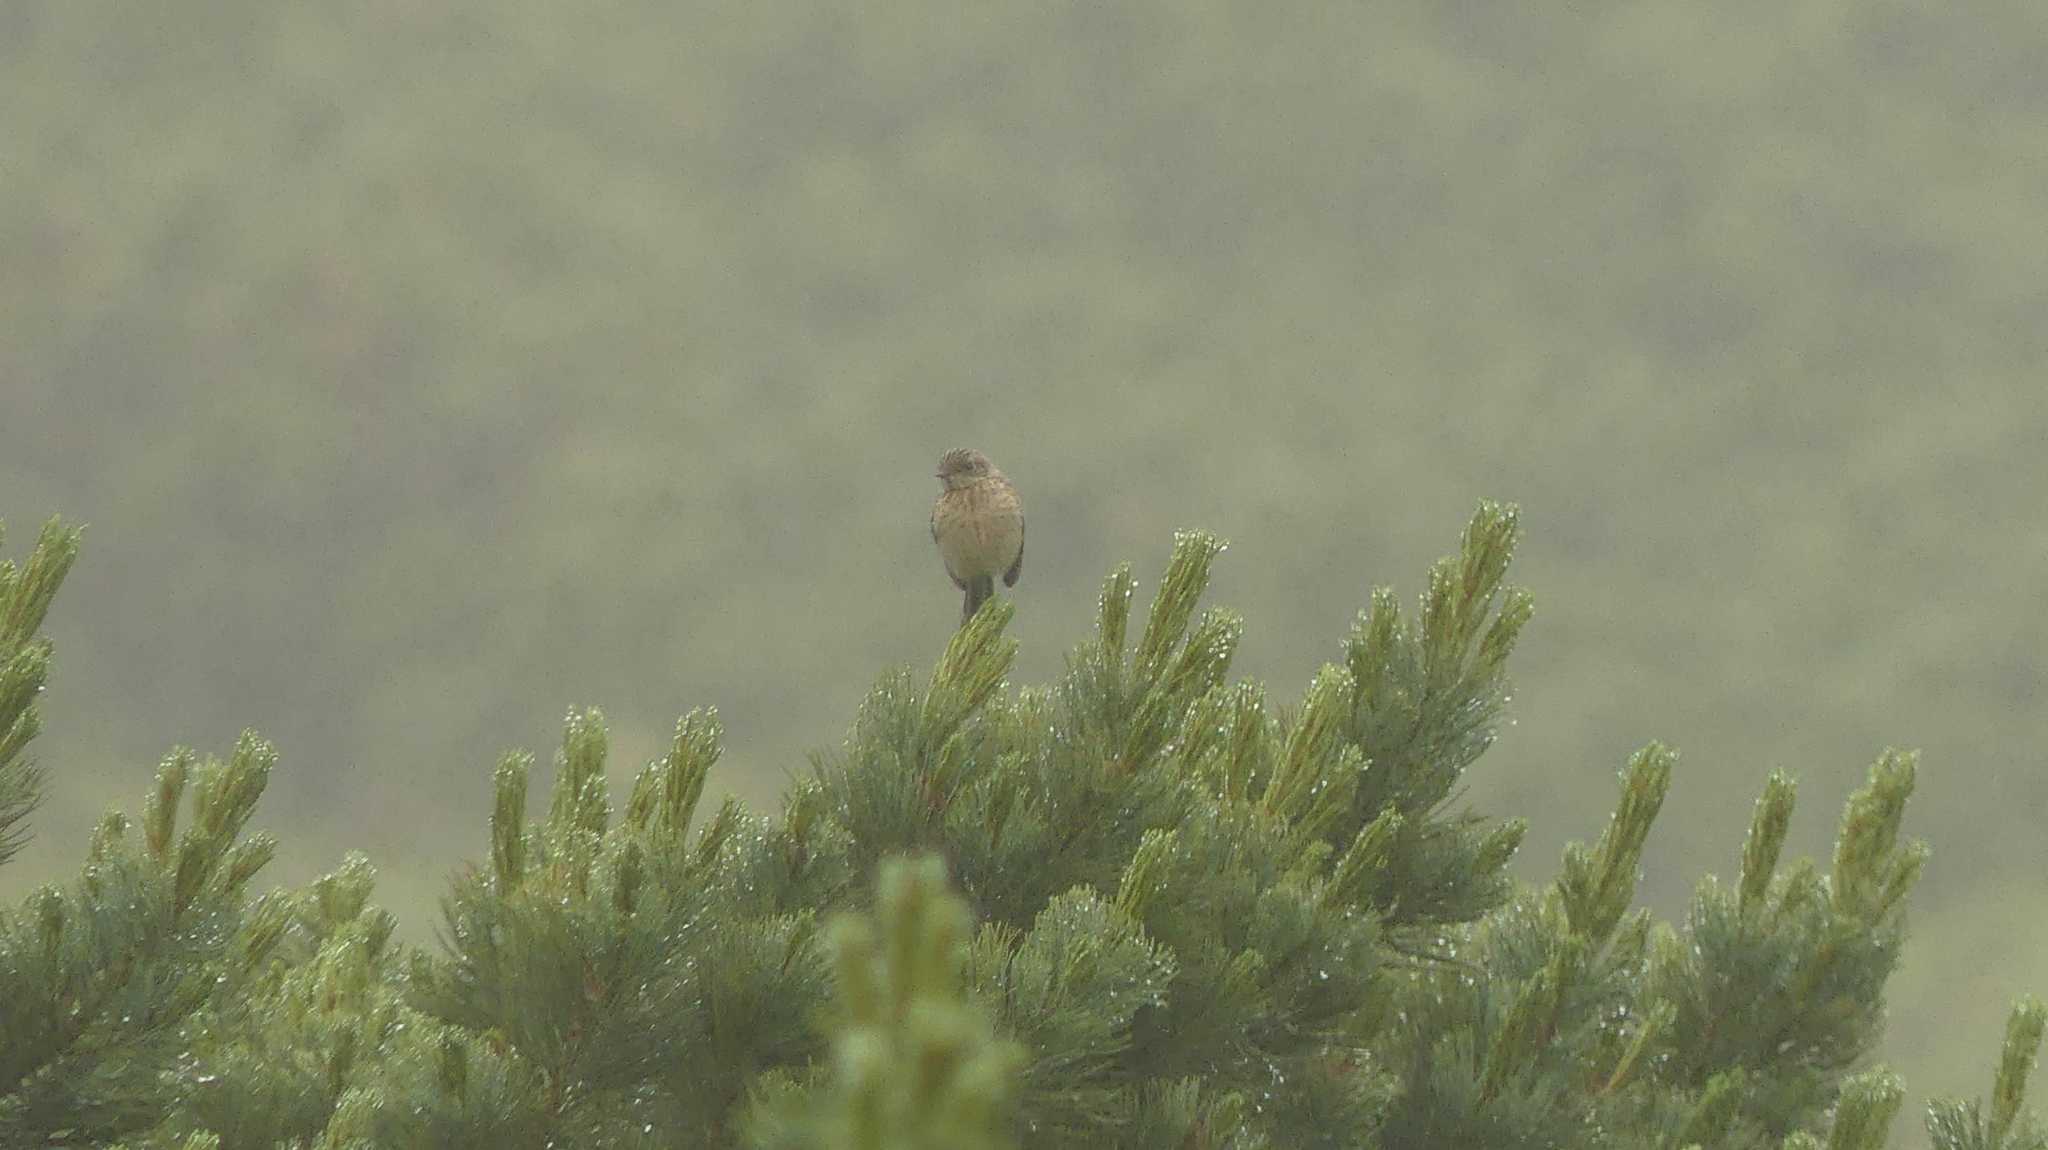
<point x="424" y="370"/>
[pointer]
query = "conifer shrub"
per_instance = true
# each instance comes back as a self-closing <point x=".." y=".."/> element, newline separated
<point x="1143" y="906"/>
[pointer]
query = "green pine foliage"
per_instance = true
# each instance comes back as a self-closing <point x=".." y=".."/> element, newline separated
<point x="914" y="1066"/>
<point x="25" y="596"/>
<point x="102" y="979"/>
<point x="1958" y="1125"/>
<point x="1140" y="907"/>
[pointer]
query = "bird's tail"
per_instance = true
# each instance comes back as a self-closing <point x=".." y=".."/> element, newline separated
<point x="979" y="589"/>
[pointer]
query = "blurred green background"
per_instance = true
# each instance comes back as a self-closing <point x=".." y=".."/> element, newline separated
<point x="423" y="370"/>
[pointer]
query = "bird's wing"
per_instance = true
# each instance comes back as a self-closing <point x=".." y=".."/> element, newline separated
<point x="1017" y="566"/>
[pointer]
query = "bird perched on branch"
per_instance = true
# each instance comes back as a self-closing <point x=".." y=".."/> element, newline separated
<point x="978" y="524"/>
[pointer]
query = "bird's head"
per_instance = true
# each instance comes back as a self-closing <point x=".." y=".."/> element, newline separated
<point x="963" y="467"/>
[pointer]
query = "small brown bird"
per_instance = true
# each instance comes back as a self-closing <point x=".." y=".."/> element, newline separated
<point x="978" y="524"/>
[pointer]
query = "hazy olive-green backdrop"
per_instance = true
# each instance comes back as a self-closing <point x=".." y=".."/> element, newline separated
<point x="424" y="369"/>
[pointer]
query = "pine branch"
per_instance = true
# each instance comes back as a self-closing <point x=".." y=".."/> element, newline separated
<point x="96" y="981"/>
<point x="25" y="597"/>
<point x="1424" y="709"/>
<point x="914" y="1066"/>
<point x="1961" y="1125"/>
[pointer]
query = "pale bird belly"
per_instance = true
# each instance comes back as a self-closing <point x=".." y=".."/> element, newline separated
<point x="979" y="543"/>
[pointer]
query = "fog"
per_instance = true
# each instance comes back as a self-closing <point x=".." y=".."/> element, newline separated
<point x="425" y="370"/>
